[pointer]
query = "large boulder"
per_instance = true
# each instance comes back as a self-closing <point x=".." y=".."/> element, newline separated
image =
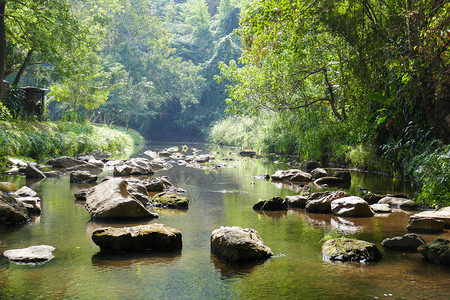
<point x="402" y="203"/>
<point x="111" y="200"/>
<point x="140" y="166"/>
<point x="323" y="204"/>
<point x="8" y="186"/>
<point x="11" y="210"/>
<point x="122" y="170"/>
<point x="235" y="244"/>
<point x="291" y="175"/>
<point x="150" y="237"/>
<point x="170" y="200"/>
<point x="318" y="173"/>
<point x="437" y="251"/>
<point x="30" y="255"/>
<point x="406" y="242"/>
<point x="296" y="201"/>
<point x="372" y="198"/>
<point x="33" y="172"/>
<point x="65" y="162"/>
<point x="425" y="225"/>
<point x="274" y="203"/>
<point x="159" y="184"/>
<point x="82" y="177"/>
<point x="86" y="167"/>
<point x="442" y="214"/>
<point x="344" y="249"/>
<point x="352" y="206"/>
<point x="138" y="191"/>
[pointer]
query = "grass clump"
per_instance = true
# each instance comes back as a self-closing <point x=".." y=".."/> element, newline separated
<point x="41" y="140"/>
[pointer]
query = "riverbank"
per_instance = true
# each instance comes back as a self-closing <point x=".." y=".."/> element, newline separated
<point x="33" y="141"/>
<point x="345" y="143"/>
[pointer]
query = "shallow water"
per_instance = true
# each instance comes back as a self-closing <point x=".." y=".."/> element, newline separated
<point x="222" y="197"/>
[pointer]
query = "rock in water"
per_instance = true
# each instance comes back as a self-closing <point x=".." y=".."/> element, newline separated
<point x="274" y="203"/>
<point x="323" y="203"/>
<point x="437" y="251"/>
<point x="291" y="175"/>
<point x="351" y="207"/>
<point x="111" y="200"/>
<point x="406" y="242"/>
<point x="442" y="214"/>
<point x="25" y="192"/>
<point x="11" y="210"/>
<point x="235" y="244"/>
<point x="82" y="177"/>
<point x="170" y="200"/>
<point x="151" y="237"/>
<point x="344" y="249"/>
<point x="33" y="172"/>
<point x="30" y="255"/>
<point x="426" y="225"/>
<point x="402" y="203"/>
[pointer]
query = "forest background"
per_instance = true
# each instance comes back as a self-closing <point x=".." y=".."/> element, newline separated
<point x="362" y="83"/>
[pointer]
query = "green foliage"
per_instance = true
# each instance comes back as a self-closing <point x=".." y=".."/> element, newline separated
<point x="431" y="171"/>
<point x="16" y="101"/>
<point x="5" y="115"/>
<point x="196" y="13"/>
<point x="44" y="140"/>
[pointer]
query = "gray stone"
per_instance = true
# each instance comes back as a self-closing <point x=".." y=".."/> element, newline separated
<point x="122" y="170"/>
<point x="85" y="167"/>
<point x="82" y="177"/>
<point x="381" y="208"/>
<point x="442" y="214"/>
<point x="406" y="242"/>
<point x="323" y="205"/>
<point x="235" y="244"/>
<point x="352" y="206"/>
<point x="291" y="175"/>
<point x="318" y="173"/>
<point x="30" y="255"/>
<point x="402" y="203"/>
<point x="33" y="172"/>
<point x="51" y="174"/>
<point x="274" y="203"/>
<point x="65" y="162"/>
<point x="81" y="195"/>
<point x="297" y="201"/>
<point x="311" y="165"/>
<point x="33" y="204"/>
<point x="111" y="200"/>
<point x="425" y="225"/>
<point x="11" y="210"/>
<point x="140" y="166"/>
<point x="150" y="237"/>
<point x="17" y="162"/>
<point x="25" y="192"/>
<point x="437" y="251"/>
<point x="344" y="249"/>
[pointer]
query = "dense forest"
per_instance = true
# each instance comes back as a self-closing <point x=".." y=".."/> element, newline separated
<point x="362" y="83"/>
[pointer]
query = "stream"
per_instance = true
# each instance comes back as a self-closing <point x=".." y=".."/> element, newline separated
<point x="218" y="197"/>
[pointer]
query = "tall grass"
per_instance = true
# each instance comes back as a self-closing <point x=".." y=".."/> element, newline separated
<point x="50" y="139"/>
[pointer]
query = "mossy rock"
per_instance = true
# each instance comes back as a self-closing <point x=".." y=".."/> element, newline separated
<point x="8" y="187"/>
<point x="170" y="200"/>
<point x="344" y="249"/>
<point x="437" y="251"/>
<point x="274" y="203"/>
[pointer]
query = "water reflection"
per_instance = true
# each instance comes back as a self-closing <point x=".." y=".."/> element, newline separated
<point x="119" y="261"/>
<point x="232" y="270"/>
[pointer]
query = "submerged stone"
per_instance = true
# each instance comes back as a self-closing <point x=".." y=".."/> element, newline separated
<point x="170" y="200"/>
<point x="437" y="251"/>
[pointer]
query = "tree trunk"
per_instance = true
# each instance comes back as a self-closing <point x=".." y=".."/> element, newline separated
<point x="2" y="43"/>
<point x="25" y="63"/>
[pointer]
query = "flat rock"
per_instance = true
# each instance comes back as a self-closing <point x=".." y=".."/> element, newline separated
<point x="86" y="167"/>
<point x="11" y="210"/>
<point x="402" y="203"/>
<point x="170" y="200"/>
<point x="291" y="175"/>
<point x="437" y="251"/>
<point x="425" y="225"/>
<point x="296" y="201"/>
<point x="406" y="242"/>
<point x="111" y="200"/>
<point x="344" y="249"/>
<point x="33" y="204"/>
<point x="274" y="203"/>
<point x="235" y="244"/>
<point x="442" y="214"/>
<point x="372" y="198"/>
<point x="150" y="237"/>
<point x="8" y="186"/>
<point x="381" y="208"/>
<point x="352" y="206"/>
<point x="30" y="255"/>
<point x="122" y="170"/>
<point x="33" y="172"/>
<point x="17" y="162"/>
